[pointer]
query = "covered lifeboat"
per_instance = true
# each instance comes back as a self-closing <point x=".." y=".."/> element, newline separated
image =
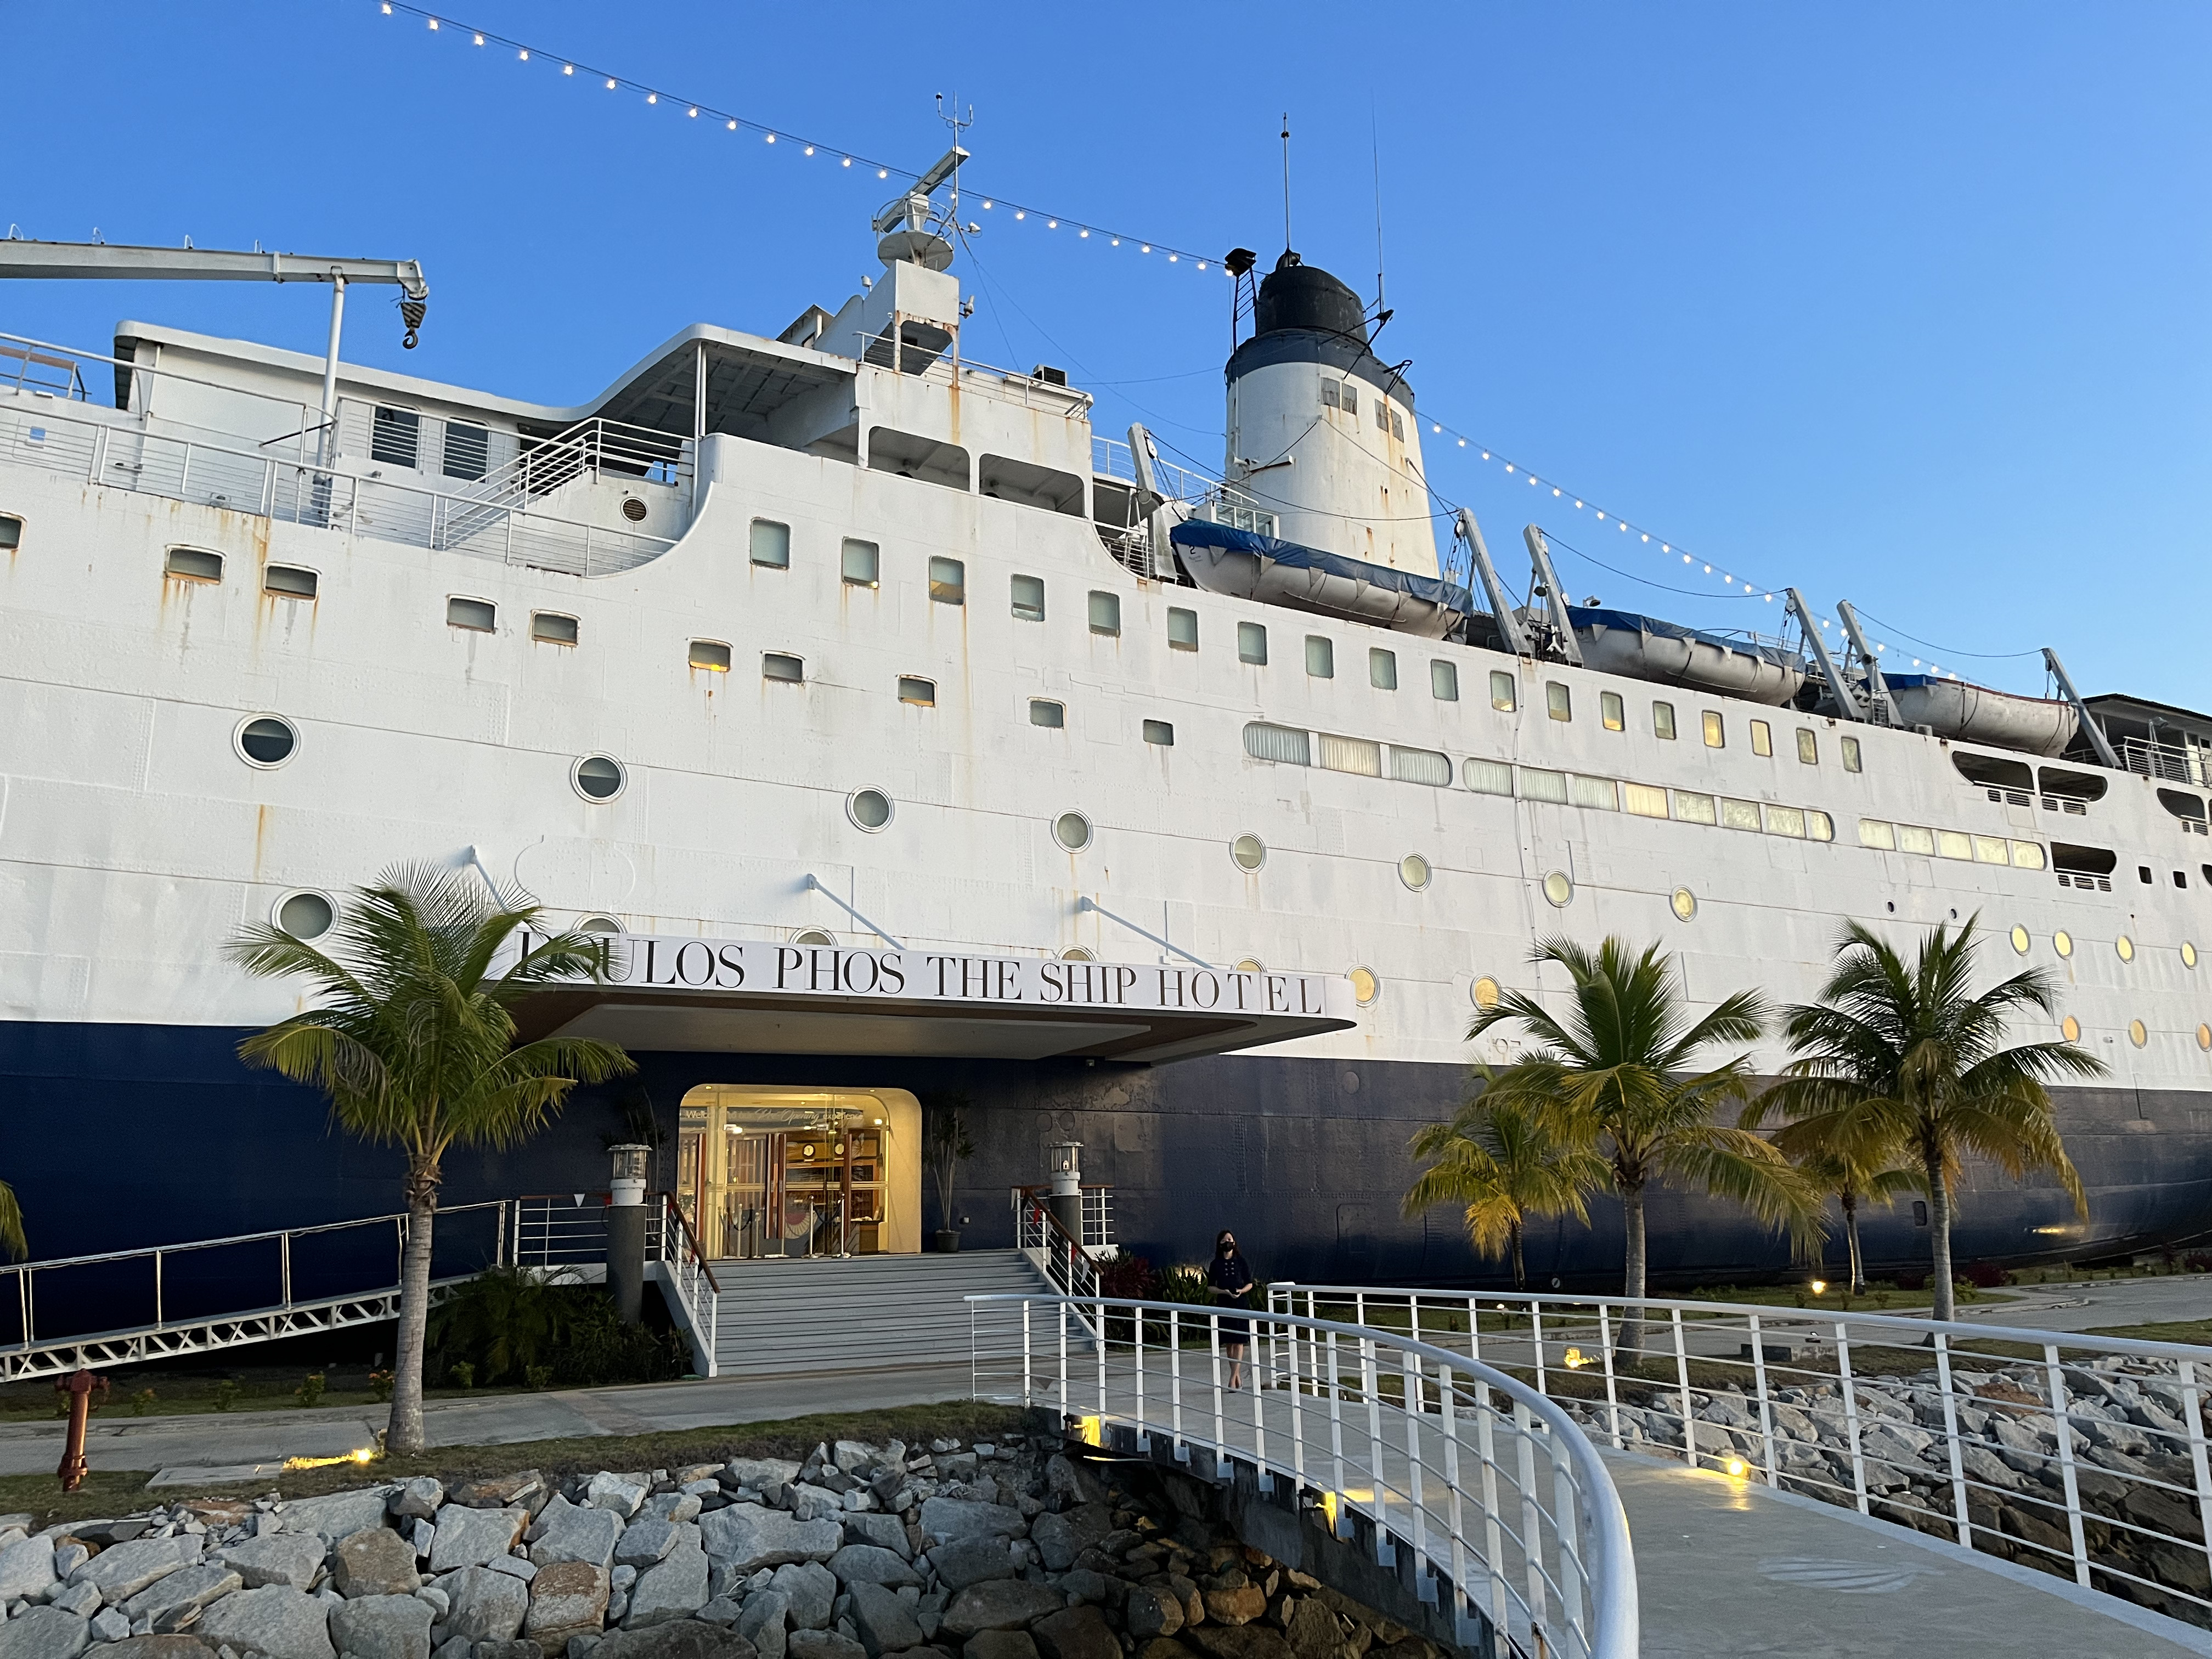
<point x="1646" y="648"/>
<point x="1225" y="560"/>
<point x="1975" y="713"/>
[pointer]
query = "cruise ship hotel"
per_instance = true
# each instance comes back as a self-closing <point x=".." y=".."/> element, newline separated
<point x="916" y="743"/>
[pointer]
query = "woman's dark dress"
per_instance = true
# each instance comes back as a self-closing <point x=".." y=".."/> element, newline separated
<point x="1231" y="1278"/>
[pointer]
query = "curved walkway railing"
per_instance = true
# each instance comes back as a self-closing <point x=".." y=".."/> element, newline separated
<point x="2083" y="1455"/>
<point x="1500" y="1500"/>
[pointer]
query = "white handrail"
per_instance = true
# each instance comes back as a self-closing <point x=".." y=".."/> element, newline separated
<point x="2082" y="1455"/>
<point x="1389" y="1418"/>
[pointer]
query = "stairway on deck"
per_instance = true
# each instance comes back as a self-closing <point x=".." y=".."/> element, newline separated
<point x="858" y="1313"/>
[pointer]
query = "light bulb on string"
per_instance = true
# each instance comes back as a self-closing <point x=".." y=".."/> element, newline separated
<point x="480" y="39"/>
<point x="522" y="56"/>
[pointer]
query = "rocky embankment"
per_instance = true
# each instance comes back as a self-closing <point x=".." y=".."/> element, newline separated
<point x="2127" y="1421"/>
<point x="986" y="1552"/>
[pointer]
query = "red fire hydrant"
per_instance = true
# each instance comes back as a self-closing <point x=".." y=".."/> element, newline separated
<point x="79" y="1388"/>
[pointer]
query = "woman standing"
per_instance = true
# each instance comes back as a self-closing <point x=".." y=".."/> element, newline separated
<point x="1230" y="1275"/>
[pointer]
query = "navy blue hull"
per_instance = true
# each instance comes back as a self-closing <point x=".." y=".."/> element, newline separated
<point x="118" y="1136"/>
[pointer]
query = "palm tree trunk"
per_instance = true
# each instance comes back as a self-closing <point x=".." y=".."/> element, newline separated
<point x="1630" y="1350"/>
<point x="1851" y="1238"/>
<point x="404" y="1430"/>
<point x="1939" y="1225"/>
<point x="1519" y="1269"/>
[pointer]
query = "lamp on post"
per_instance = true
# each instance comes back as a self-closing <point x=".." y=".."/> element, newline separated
<point x="626" y="1230"/>
<point x="1068" y="1187"/>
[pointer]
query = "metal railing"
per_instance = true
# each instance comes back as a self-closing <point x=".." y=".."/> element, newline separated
<point x="589" y="450"/>
<point x="566" y="1232"/>
<point x="687" y="1277"/>
<point x="197" y="1299"/>
<point x="1510" y="1520"/>
<point x="1097" y="1214"/>
<point x="2083" y="1455"/>
<point x="1111" y="459"/>
<point x="2174" y="763"/>
<point x="1051" y="1251"/>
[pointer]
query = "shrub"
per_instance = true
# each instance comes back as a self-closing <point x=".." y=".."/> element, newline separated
<point x="1986" y="1275"/>
<point x="379" y="1386"/>
<point x="1132" y="1277"/>
<point x="2197" y="1261"/>
<point x="539" y="1377"/>
<point x="142" y="1402"/>
<point x="513" y="1325"/>
<point x="1912" y="1281"/>
<point x="462" y="1374"/>
<point x="226" y="1394"/>
<point x="309" y="1394"/>
<point x="1185" y="1284"/>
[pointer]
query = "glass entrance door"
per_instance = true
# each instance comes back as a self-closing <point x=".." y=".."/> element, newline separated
<point x="769" y="1173"/>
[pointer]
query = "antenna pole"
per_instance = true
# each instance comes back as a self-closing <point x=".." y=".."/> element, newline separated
<point x="1286" y="181"/>
<point x="1374" y="142"/>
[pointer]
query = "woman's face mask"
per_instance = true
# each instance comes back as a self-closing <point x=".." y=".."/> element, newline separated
<point x="1224" y="1245"/>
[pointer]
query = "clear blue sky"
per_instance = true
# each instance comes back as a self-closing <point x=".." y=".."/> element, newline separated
<point x="1906" y="304"/>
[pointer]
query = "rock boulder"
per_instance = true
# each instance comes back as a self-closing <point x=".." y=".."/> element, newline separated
<point x="382" y="1628"/>
<point x="275" y="1620"/>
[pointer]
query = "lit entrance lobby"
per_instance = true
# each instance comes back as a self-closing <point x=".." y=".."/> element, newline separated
<point x="765" y="1172"/>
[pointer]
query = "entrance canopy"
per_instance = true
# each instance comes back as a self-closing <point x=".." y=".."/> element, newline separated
<point x="749" y="996"/>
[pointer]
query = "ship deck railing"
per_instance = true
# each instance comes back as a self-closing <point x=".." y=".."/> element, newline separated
<point x="2082" y="1456"/>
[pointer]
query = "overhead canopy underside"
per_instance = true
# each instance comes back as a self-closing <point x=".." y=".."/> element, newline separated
<point x="748" y="380"/>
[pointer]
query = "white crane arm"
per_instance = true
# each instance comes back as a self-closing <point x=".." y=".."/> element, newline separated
<point x="79" y="261"/>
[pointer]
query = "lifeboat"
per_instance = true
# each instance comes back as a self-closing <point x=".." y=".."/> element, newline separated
<point x="1225" y="560"/>
<point x="1975" y="713"/>
<point x="1646" y="648"/>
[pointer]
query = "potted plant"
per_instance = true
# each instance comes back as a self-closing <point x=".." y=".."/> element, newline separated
<point x="945" y="1146"/>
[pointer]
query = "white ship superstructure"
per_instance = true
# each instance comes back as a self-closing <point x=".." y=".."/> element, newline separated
<point x="837" y="639"/>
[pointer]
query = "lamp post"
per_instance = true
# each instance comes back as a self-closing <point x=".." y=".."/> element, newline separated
<point x="1068" y="1187"/>
<point x="626" y="1230"/>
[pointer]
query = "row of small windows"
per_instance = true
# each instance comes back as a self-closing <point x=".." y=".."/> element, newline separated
<point x="1613" y="715"/>
<point x="1889" y="837"/>
<point x="395" y="439"/>
<point x="1345" y="395"/>
<point x="198" y="564"/>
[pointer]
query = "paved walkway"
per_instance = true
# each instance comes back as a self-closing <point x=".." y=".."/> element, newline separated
<point x="2096" y="1304"/>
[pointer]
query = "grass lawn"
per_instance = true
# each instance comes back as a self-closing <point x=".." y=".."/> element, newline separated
<point x="2195" y="1331"/>
<point x="109" y="1493"/>
<point x="178" y="1392"/>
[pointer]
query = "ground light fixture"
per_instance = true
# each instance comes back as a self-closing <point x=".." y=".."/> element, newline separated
<point x="1819" y="1287"/>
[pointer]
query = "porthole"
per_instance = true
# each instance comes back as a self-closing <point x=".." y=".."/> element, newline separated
<point x="2062" y="942"/>
<point x="289" y="582"/>
<point x="1044" y="712"/>
<point x="783" y="666"/>
<point x="599" y="778"/>
<point x="2019" y="940"/>
<point x="1413" y="870"/>
<point x="1249" y="852"/>
<point x="712" y="655"/>
<point x="1559" y="889"/>
<point x="2188" y="954"/>
<point x="598" y="924"/>
<point x="2138" y="1033"/>
<point x="2126" y="947"/>
<point x="266" y="740"/>
<point x="194" y="564"/>
<point x="1251" y="965"/>
<point x="551" y="628"/>
<point x="917" y="692"/>
<point x="813" y="936"/>
<point x="2204" y="1037"/>
<point x="869" y="809"/>
<point x="1483" y="992"/>
<point x="1071" y="830"/>
<point x="2070" y="1029"/>
<point x="1365" y="988"/>
<point x="1684" y="904"/>
<point x="1077" y="953"/>
<point x="306" y="915"/>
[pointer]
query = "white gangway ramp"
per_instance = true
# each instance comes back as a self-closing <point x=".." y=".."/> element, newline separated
<point x="1503" y="1507"/>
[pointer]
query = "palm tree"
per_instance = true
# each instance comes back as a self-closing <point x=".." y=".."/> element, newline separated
<point x="11" y="1225"/>
<point x="414" y="1044"/>
<point x="1847" y="1166"/>
<point x="1501" y="1161"/>
<point x="1908" y="1054"/>
<point x="1620" y="1073"/>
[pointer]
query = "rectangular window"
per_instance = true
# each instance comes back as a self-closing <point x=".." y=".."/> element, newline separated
<point x="1160" y="732"/>
<point x="1351" y="399"/>
<point x="1029" y="599"/>
<point x="1612" y="713"/>
<point x="1716" y="734"/>
<point x="289" y="582"/>
<point x="1329" y="398"/>
<point x="1488" y="777"/>
<point x="1420" y="766"/>
<point x="771" y="544"/>
<point x="1106" y="614"/>
<point x="1818" y="826"/>
<point x="1278" y="742"/>
<point x="1992" y="849"/>
<point x="1557" y="702"/>
<point x="782" y="665"/>
<point x="1598" y="792"/>
<point x="1875" y="832"/>
<point x="710" y="655"/>
<point x="1762" y="739"/>
<point x="478" y="615"/>
<point x="1785" y="821"/>
<point x="1443" y="681"/>
<point x="1397" y="426"/>
<point x="1912" y="838"/>
<point x="1381" y="414"/>
<point x="1533" y="783"/>
<point x="1740" y="814"/>
<point x="1355" y="755"/>
<point x="1252" y="643"/>
<point x="1043" y="711"/>
<point x="2026" y="855"/>
<point x="395" y="437"/>
<point x="1644" y="800"/>
<point x="1182" y="628"/>
<point x="948" y="581"/>
<point x="1501" y="691"/>
<point x="1662" y="721"/>
<point x="1321" y="657"/>
<point x="1808" y="747"/>
<point x="1850" y="754"/>
<point x="1381" y="669"/>
<point x="859" y="562"/>
<point x="467" y="450"/>
<point x="920" y="692"/>
<point x="1953" y="844"/>
<point x="11" y="532"/>
<point x="1692" y="808"/>
<point x="553" y="628"/>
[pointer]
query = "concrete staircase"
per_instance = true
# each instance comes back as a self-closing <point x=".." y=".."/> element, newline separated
<point x="861" y="1313"/>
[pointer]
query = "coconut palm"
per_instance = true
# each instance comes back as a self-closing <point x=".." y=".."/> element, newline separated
<point x="1846" y="1166"/>
<point x="11" y="1225"/>
<point x="413" y="1041"/>
<point x="1907" y="1053"/>
<point x="1501" y="1161"/>
<point x="1621" y="1071"/>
